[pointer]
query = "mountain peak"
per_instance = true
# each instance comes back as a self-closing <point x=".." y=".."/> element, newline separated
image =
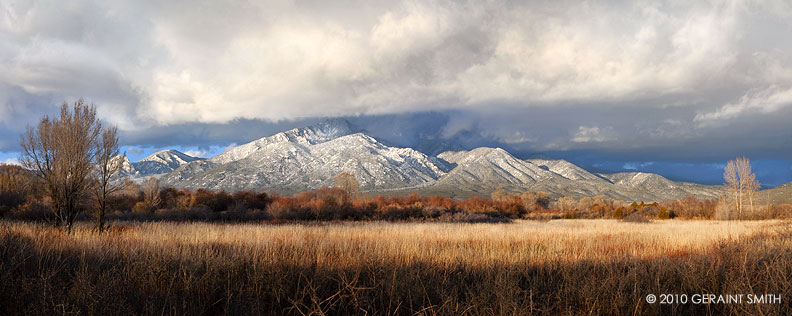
<point x="164" y="153"/>
<point x="565" y="168"/>
<point x="333" y="126"/>
<point x="321" y="132"/>
<point x="475" y="154"/>
<point x="311" y="157"/>
<point x="170" y="157"/>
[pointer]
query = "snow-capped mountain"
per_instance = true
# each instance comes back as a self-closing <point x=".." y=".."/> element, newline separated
<point x="158" y="163"/>
<point x="322" y="132"/>
<point x="491" y="165"/>
<point x="650" y="182"/>
<point x="170" y="158"/>
<point x="311" y="157"/>
<point x="483" y="170"/>
<point x="126" y="168"/>
<point x="565" y="169"/>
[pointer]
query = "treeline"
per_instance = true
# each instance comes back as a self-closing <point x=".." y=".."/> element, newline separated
<point x="21" y="198"/>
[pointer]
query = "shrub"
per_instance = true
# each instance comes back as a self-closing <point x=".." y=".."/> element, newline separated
<point x="465" y="217"/>
<point x="10" y="200"/>
<point x="619" y="213"/>
<point x="141" y="207"/>
<point x="663" y="214"/>
<point x="395" y="212"/>
<point x="636" y="217"/>
<point x="33" y="211"/>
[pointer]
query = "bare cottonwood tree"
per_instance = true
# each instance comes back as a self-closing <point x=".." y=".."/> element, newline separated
<point x="748" y="182"/>
<point x="732" y="185"/>
<point x="347" y="182"/>
<point x="107" y="165"/>
<point x="151" y="194"/>
<point x="499" y="194"/>
<point x="534" y="200"/>
<point x="565" y="203"/>
<point x="62" y="152"/>
<point x="741" y="184"/>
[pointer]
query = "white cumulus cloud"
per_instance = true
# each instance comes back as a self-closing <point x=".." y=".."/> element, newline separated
<point x="767" y="100"/>
<point x="591" y="134"/>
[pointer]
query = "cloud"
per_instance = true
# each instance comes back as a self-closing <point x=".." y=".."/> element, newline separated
<point x="637" y="165"/>
<point x="163" y="63"/>
<point x="589" y="134"/>
<point x="631" y="80"/>
<point x="135" y="151"/>
<point x="197" y="153"/>
<point x="764" y="101"/>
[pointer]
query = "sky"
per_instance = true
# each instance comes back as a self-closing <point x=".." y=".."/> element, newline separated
<point x="672" y="87"/>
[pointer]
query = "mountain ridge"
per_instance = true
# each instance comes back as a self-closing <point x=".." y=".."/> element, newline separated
<point x="311" y="157"/>
<point x="158" y="163"/>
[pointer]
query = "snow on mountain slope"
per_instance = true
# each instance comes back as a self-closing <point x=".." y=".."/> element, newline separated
<point x="158" y="163"/>
<point x="306" y="136"/>
<point x="565" y="168"/>
<point x="638" y="179"/>
<point x="492" y="165"/>
<point x="170" y="158"/>
<point x="188" y="171"/>
<point x="126" y="168"/>
<point x="288" y="166"/>
<point x="484" y="170"/>
<point x="650" y="182"/>
<point x="375" y="164"/>
<point x="309" y="158"/>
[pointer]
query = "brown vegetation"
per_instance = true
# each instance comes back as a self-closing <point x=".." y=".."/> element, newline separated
<point x="740" y="187"/>
<point x="65" y="153"/>
<point x="569" y="267"/>
<point x="150" y="202"/>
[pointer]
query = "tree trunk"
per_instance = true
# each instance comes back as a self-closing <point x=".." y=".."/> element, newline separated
<point x="739" y="202"/>
<point x="100" y="218"/>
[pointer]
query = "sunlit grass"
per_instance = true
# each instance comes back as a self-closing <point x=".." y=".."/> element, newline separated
<point x="300" y="266"/>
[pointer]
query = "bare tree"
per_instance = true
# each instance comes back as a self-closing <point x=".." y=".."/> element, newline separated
<point x="107" y="165"/>
<point x="747" y="182"/>
<point x="499" y="194"/>
<point x="732" y="186"/>
<point x="565" y="203"/>
<point x="62" y="153"/>
<point x="347" y="182"/>
<point x="741" y="184"/>
<point x="533" y="200"/>
<point x="151" y="194"/>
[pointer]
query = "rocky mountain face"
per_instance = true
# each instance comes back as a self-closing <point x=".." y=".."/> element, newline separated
<point x="158" y="163"/>
<point x="307" y="136"/>
<point x="483" y="170"/>
<point x="298" y="160"/>
<point x="309" y="158"/>
<point x="777" y="195"/>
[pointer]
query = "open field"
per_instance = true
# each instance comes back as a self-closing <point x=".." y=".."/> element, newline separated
<point x="526" y="267"/>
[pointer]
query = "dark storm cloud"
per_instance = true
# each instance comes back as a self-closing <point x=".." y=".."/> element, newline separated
<point x="636" y="81"/>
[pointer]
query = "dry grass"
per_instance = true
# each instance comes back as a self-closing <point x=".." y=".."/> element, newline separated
<point x="527" y="267"/>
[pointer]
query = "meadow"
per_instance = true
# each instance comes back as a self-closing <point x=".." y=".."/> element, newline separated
<point x="557" y="267"/>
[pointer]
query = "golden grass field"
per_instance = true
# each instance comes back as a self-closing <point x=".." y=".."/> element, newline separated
<point x="557" y="267"/>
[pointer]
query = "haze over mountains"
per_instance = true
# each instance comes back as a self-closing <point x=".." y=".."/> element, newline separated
<point x="308" y="158"/>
